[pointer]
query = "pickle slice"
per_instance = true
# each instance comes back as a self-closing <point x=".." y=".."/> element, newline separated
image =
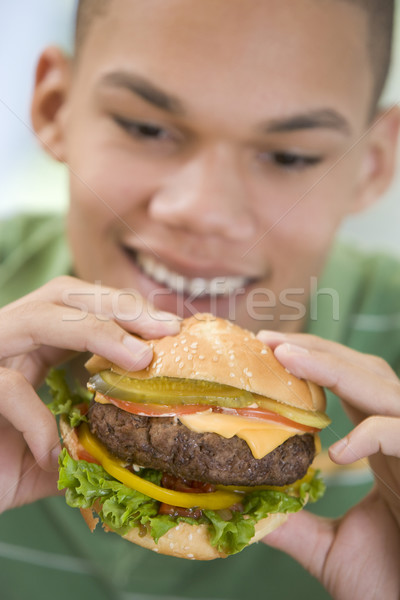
<point x="174" y="391"/>
<point x="306" y="417"/>
<point x="169" y="390"/>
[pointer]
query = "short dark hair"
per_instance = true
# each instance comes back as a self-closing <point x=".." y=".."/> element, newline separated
<point x="380" y="15"/>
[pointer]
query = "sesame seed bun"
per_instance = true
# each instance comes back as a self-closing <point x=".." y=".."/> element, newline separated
<point x="216" y="350"/>
<point x="184" y="540"/>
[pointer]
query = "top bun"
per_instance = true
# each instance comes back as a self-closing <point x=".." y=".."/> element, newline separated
<point x="217" y="350"/>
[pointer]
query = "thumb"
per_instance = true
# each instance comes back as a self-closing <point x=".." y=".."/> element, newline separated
<point x="305" y="537"/>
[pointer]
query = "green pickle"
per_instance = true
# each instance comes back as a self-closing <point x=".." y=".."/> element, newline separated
<point x="174" y="391"/>
<point x="169" y="390"/>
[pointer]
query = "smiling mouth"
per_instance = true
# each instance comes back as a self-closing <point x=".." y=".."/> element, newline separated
<point x="181" y="284"/>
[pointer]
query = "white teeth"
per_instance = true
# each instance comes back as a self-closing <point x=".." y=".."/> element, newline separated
<point x="198" y="286"/>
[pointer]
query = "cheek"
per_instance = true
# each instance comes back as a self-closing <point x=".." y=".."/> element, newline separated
<point x="106" y="190"/>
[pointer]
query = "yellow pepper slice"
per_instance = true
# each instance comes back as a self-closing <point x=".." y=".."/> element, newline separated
<point x="115" y="468"/>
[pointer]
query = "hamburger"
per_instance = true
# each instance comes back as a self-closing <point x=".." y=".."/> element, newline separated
<point x="200" y="454"/>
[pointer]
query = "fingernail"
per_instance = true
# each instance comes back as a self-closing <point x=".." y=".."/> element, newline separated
<point x="339" y="447"/>
<point x="267" y="336"/>
<point x="292" y="349"/>
<point x="138" y="349"/>
<point x="169" y="321"/>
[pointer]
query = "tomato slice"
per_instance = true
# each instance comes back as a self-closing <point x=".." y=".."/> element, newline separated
<point x="156" y="410"/>
<point x="260" y="413"/>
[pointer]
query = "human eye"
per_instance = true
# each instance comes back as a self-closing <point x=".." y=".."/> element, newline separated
<point x="289" y="161"/>
<point x="145" y="131"/>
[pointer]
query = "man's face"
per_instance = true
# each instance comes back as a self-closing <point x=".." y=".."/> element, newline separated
<point x="208" y="144"/>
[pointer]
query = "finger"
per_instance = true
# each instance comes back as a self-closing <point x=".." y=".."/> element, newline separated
<point x="273" y="339"/>
<point x="375" y="434"/>
<point x="32" y="484"/>
<point x="45" y="324"/>
<point x="24" y="410"/>
<point x="358" y="385"/>
<point x="126" y="307"/>
<point x="301" y="527"/>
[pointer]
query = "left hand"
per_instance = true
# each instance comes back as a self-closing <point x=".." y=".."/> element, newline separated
<point x="357" y="556"/>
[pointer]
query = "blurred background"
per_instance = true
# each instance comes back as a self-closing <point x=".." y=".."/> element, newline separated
<point x="29" y="181"/>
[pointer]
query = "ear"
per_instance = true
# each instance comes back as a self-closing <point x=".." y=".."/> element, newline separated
<point x="49" y="99"/>
<point x="379" y="161"/>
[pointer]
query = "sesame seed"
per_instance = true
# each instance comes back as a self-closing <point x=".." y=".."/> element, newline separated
<point x="155" y="549"/>
<point x="289" y="383"/>
<point x="215" y="358"/>
<point x="175" y="344"/>
<point x="181" y="365"/>
<point x="161" y="353"/>
<point x="264" y="351"/>
<point x="232" y="375"/>
<point x="190" y="556"/>
<point x="177" y="359"/>
<point x="201" y="357"/>
<point x="177" y="528"/>
<point x="194" y="345"/>
<point x="183" y="341"/>
<point x="186" y="349"/>
<point x="171" y="545"/>
<point x="231" y="364"/>
<point x="190" y="537"/>
<point x="172" y="351"/>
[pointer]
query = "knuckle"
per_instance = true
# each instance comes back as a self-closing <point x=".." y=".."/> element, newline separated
<point x="12" y="380"/>
<point x="101" y="325"/>
<point x="61" y="282"/>
<point x="381" y="365"/>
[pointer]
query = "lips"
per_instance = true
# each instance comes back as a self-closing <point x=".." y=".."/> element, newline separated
<point x="223" y="285"/>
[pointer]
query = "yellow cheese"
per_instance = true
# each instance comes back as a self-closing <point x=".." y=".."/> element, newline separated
<point x="260" y="435"/>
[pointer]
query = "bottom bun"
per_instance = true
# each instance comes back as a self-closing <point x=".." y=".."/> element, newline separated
<point x="184" y="540"/>
<point x="193" y="542"/>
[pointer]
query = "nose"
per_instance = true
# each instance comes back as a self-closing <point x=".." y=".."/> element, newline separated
<point x="207" y="195"/>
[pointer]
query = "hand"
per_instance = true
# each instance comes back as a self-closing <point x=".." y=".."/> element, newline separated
<point x="357" y="556"/>
<point x="40" y="331"/>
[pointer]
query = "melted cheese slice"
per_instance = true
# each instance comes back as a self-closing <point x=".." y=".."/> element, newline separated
<point x="260" y="435"/>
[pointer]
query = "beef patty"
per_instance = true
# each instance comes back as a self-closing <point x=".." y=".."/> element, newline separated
<point x="164" y="443"/>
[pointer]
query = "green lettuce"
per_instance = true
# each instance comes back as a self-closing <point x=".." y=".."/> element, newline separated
<point x="121" y="508"/>
<point x="66" y="399"/>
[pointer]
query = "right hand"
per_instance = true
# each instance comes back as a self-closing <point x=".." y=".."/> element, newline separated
<point x="42" y="330"/>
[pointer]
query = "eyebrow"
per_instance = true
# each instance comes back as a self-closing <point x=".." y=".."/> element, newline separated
<point x="142" y="87"/>
<point x="316" y="119"/>
<point x="146" y="90"/>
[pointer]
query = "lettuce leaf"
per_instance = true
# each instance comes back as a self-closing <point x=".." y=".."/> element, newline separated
<point x="66" y="400"/>
<point x="124" y="508"/>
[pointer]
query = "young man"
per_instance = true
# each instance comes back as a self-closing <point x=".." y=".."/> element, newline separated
<point x="213" y="147"/>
